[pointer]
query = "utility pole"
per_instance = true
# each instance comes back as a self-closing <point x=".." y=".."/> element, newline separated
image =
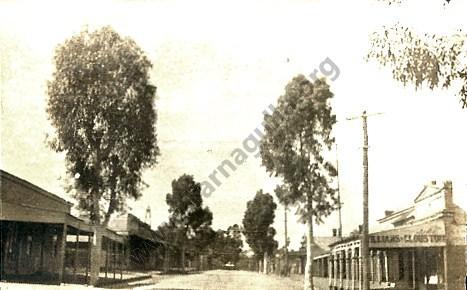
<point x="339" y="234"/>
<point x="286" y="244"/>
<point x="365" y="241"/>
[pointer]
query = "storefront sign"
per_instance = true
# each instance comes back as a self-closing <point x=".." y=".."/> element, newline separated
<point x="411" y="238"/>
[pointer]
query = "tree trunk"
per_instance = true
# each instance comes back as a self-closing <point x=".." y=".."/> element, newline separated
<point x="166" y="259"/>
<point x="183" y="258"/>
<point x="265" y="263"/>
<point x="309" y="258"/>
<point x="111" y="208"/>
<point x="95" y="215"/>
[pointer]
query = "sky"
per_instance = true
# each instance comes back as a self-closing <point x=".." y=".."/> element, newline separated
<point x="217" y="66"/>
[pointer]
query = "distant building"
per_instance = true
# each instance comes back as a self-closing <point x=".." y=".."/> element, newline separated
<point x="144" y="249"/>
<point x="297" y="258"/>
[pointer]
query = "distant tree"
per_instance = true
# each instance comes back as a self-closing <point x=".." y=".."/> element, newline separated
<point x="202" y="238"/>
<point x="201" y="241"/>
<point x="168" y="235"/>
<point x="191" y="220"/>
<point x="297" y="134"/>
<point x="257" y="222"/>
<point x="228" y="244"/>
<point x="101" y="103"/>
<point x="437" y="61"/>
<point x="282" y="192"/>
<point x="235" y="232"/>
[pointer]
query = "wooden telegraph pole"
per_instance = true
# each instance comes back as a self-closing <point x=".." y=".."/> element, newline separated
<point x="286" y="251"/>
<point x="365" y="241"/>
<point x="339" y="234"/>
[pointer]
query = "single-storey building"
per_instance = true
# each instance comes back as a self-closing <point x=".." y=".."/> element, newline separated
<point x="42" y="242"/>
<point x="144" y="249"/>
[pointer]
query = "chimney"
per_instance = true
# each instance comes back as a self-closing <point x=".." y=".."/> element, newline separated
<point x="448" y="199"/>
<point x="360" y="229"/>
<point x="433" y="182"/>
<point x="334" y="232"/>
<point x="388" y="212"/>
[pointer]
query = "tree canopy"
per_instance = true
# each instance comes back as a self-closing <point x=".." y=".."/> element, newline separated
<point x="283" y="195"/>
<point x="297" y="134"/>
<point x="257" y="221"/>
<point x="227" y="245"/>
<point x="192" y="221"/>
<point x="434" y="60"/>
<point x="101" y="103"/>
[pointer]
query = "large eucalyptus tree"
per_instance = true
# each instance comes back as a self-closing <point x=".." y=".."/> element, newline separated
<point x="296" y="138"/>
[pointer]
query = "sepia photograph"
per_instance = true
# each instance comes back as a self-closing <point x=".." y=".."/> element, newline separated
<point x="233" y="145"/>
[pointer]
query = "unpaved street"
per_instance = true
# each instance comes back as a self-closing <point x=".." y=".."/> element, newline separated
<point x="226" y="280"/>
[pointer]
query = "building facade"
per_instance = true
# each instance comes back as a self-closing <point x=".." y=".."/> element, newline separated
<point x="421" y="247"/>
<point x="144" y="249"/>
<point x="42" y="242"/>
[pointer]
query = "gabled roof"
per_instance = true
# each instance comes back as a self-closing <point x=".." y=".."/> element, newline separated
<point x="320" y="245"/>
<point x="33" y="187"/>
<point x="324" y="242"/>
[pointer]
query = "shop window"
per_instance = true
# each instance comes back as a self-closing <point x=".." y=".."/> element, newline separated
<point x="349" y="265"/>
<point x="325" y="267"/>
<point x="29" y="245"/>
<point x="331" y="268"/>
<point x="11" y="254"/>
<point x="54" y="245"/>
<point x="410" y="265"/>
<point x="383" y="266"/>
<point x="357" y="263"/>
<point x="344" y="265"/>
<point x="434" y="270"/>
<point x="338" y="266"/>
<point x="401" y="266"/>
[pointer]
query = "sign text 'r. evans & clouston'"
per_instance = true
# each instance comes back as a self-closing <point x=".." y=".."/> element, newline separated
<point x="407" y="239"/>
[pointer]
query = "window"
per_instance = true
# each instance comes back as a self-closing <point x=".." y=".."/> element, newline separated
<point x="375" y="266"/>
<point x="325" y="267"/>
<point x="54" y="245"/>
<point x="410" y="265"/>
<point x="10" y="244"/>
<point x="401" y="266"/>
<point x="434" y="269"/>
<point x="29" y="245"/>
<point x="316" y="268"/>
<point x="338" y="266"/>
<point x="349" y="264"/>
<point x="331" y="261"/>
<point x="357" y="263"/>
<point x="344" y="265"/>
<point x="383" y="263"/>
